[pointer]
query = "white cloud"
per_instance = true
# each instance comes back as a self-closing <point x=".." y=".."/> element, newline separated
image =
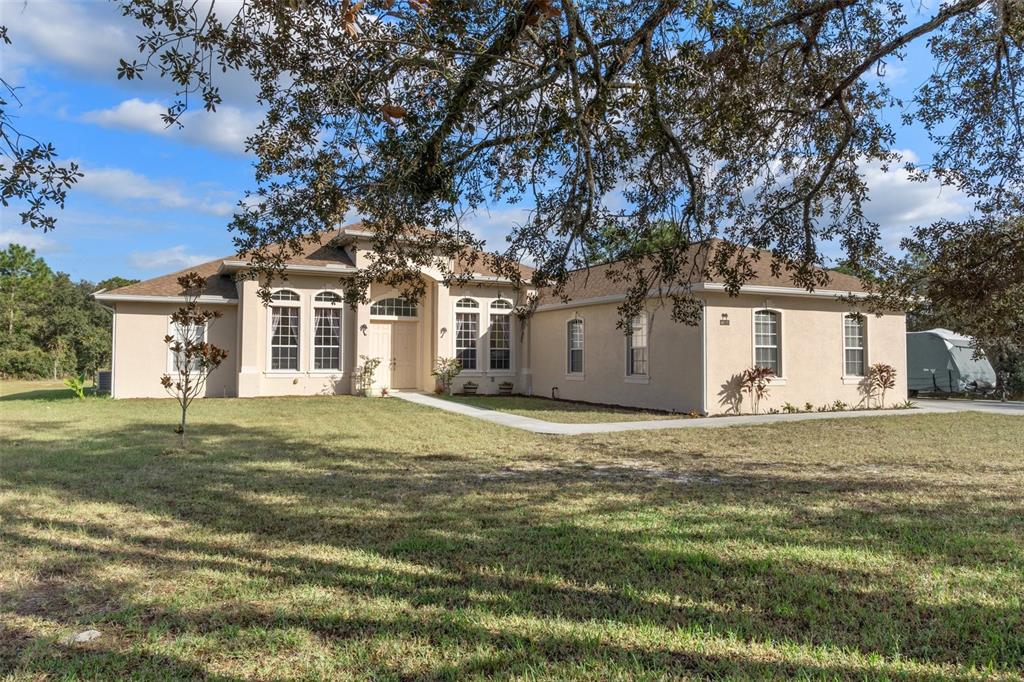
<point x="494" y="224"/>
<point x="88" y="38"/>
<point x="898" y="203"/>
<point x="170" y="259"/>
<point x="121" y="184"/>
<point x="225" y="129"/>
<point x="28" y="237"/>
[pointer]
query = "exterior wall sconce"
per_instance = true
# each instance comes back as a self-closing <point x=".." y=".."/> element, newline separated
<point x="362" y="329"/>
<point x="444" y="330"/>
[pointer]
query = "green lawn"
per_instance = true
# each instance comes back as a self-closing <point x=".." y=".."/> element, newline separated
<point x="375" y="539"/>
<point x="562" y="411"/>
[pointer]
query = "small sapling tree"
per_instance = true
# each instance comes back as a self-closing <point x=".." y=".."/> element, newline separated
<point x="754" y="382"/>
<point x="193" y="357"/>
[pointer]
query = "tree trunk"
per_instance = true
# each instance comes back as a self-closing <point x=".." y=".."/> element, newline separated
<point x="181" y="427"/>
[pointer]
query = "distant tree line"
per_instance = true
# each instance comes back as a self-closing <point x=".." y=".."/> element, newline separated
<point x="50" y="327"/>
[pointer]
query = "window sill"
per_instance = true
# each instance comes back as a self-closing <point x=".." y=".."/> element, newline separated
<point x="283" y="372"/>
<point x="638" y="379"/>
<point x="853" y="381"/>
<point x="777" y="381"/>
<point x="575" y="377"/>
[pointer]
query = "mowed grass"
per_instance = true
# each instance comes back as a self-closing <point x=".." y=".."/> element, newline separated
<point x="347" y="538"/>
<point x="562" y="411"/>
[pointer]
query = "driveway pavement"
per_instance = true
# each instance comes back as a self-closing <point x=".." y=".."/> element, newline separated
<point x="1012" y="407"/>
<point x="516" y="421"/>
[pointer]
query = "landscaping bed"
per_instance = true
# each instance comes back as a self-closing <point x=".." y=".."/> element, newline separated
<point x="560" y="411"/>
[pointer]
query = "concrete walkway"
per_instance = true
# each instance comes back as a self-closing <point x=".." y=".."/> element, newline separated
<point x="516" y="421"/>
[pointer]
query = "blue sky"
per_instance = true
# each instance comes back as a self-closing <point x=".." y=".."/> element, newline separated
<point x="156" y="200"/>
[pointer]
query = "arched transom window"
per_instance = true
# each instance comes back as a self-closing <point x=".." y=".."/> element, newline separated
<point x="394" y="307"/>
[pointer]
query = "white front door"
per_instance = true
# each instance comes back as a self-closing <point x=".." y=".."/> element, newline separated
<point x="395" y="343"/>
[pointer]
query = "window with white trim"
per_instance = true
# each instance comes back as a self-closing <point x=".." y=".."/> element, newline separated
<point x="574" y="341"/>
<point x="467" y="330"/>
<point x="636" y="347"/>
<point x="499" y="337"/>
<point x="394" y="307"/>
<point x="284" y="330"/>
<point x="182" y="333"/>
<point x="853" y="345"/>
<point x="766" y="341"/>
<point x="326" y="331"/>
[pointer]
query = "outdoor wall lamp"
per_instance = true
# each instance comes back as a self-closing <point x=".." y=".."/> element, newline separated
<point x="444" y="330"/>
<point x="362" y="328"/>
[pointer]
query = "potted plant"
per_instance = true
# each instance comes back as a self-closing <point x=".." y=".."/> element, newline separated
<point x="469" y="388"/>
<point x="505" y="388"/>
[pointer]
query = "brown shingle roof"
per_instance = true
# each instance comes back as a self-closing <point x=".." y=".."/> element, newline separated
<point x="167" y="285"/>
<point x="595" y="283"/>
<point x="326" y="252"/>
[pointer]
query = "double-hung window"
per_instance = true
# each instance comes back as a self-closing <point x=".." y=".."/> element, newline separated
<point x="574" y="338"/>
<point x="636" y="347"/>
<point x="327" y="331"/>
<point x="500" y="336"/>
<point x="467" y="331"/>
<point x="853" y="345"/>
<point x="766" y="341"/>
<point x="284" y="330"/>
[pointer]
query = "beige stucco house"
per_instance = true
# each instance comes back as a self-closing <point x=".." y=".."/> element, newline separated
<point x="307" y="342"/>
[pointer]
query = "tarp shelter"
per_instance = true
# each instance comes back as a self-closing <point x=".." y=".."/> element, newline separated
<point x="942" y="360"/>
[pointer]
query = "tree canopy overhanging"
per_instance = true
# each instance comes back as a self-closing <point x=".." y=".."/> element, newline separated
<point x="749" y="122"/>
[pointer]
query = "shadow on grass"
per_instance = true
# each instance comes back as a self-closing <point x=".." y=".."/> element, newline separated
<point x="452" y="545"/>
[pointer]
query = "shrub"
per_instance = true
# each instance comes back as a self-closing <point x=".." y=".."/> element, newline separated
<point x="839" y="406"/>
<point x="31" y="363"/>
<point x="808" y="407"/>
<point x="364" y="374"/>
<point x="790" y="408"/>
<point x="77" y="386"/>
<point x="754" y="381"/>
<point x="445" y="370"/>
<point x="881" y="377"/>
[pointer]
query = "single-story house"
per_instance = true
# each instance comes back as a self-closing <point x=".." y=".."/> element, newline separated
<point x="305" y="341"/>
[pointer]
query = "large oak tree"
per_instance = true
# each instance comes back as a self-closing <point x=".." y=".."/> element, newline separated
<point x="746" y="121"/>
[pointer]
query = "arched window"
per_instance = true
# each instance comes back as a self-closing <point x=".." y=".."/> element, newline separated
<point x="327" y="331"/>
<point x="284" y="330"/>
<point x="574" y="342"/>
<point x="394" y="307"/>
<point x="328" y="297"/>
<point x="467" y="330"/>
<point x="854" y="337"/>
<point x="500" y="336"/>
<point x="766" y="341"/>
<point x="284" y="295"/>
<point x="636" y="347"/>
